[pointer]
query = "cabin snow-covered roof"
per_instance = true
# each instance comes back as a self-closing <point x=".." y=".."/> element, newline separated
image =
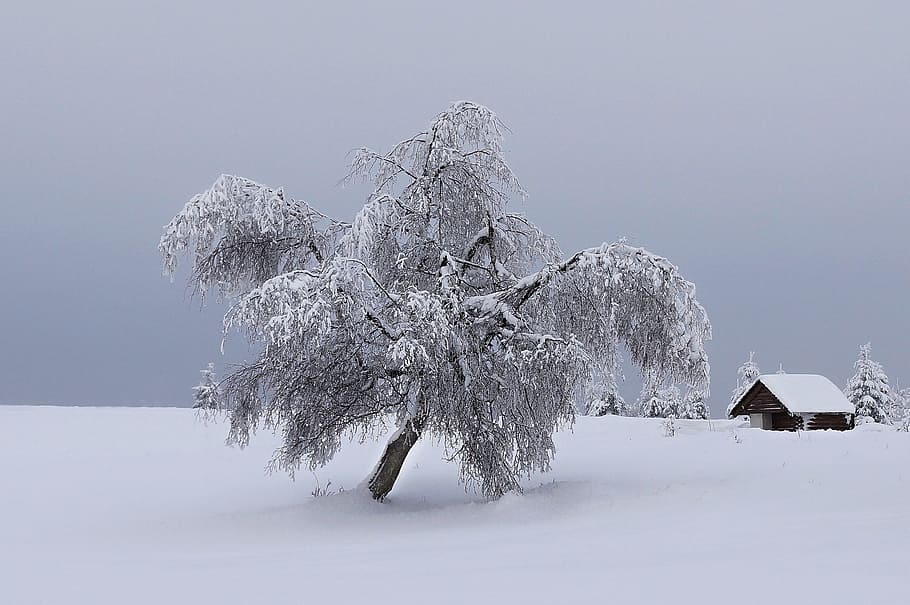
<point x="806" y="393"/>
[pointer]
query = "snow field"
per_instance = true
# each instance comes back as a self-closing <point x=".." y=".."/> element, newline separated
<point x="130" y="505"/>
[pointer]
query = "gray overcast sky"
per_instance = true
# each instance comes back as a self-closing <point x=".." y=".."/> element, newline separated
<point x="763" y="147"/>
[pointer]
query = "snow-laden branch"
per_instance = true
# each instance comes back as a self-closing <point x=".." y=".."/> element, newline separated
<point x="608" y="294"/>
<point x="241" y="233"/>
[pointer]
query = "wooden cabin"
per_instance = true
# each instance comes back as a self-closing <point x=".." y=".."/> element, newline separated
<point x="790" y="402"/>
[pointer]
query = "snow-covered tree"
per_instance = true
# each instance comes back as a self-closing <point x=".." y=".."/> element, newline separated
<point x="673" y="401"/>
<point x="608" y="401"/>
<point x="666" y="401"/>
<point x="650" y="403"/>
<point x="205" y="394"/>
<point x="693" y="405"/>
<point x="902" y="418"/>
<point x="659" y="401"/>
<point x="869" y="389"/>
<point x="746" y="376"/>
<point x="437" y="309"/>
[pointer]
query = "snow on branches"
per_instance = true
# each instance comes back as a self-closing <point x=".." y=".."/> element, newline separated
<point x="242" y="233"/>
<point x="870" y="391"/>
<point x="436" y="309"/>
<point x="746" y="376"/>
<point x="205" y="394"/>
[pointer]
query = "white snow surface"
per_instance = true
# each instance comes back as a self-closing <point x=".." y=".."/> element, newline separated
<point x="807" y="393"/>
<point x="121" y="505"/>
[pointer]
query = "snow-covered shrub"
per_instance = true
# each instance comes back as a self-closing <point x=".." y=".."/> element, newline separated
<point x="436" y="309"/>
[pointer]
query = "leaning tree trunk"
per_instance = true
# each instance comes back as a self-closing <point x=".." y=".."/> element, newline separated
<point x="396" y="450"/>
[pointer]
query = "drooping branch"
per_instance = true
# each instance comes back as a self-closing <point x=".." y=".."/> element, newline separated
<point x="632" y="296"/>
<point x="241" y="232"/>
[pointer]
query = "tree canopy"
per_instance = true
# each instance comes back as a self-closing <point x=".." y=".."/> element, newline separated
<point x="436" y="310"/>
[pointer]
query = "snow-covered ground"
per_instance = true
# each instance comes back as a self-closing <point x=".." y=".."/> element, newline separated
<point x="124" y="505"/>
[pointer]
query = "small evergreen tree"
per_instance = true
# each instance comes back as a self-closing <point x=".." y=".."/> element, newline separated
<point x="869" y="389"/>
<point x="650" y="405"/>
<point x="672" y="401"/>
<point x="659" y="402"/>
<point x="609" y="403"/>
<point x="693" y="405"/>
<point x="903" y="400"/>
<point x="607" y="399"/>
<point x="746" y="376"/>
<point x="206" y="392"/>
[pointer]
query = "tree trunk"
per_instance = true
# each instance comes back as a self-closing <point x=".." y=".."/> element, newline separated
<point x="396" y="450"/>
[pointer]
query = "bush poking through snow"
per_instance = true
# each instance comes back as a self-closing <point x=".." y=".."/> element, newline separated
<point x="321" y="491"/>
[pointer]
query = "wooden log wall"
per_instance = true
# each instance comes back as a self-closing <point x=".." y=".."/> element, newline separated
<point x="834" y="422"/>
<point x="785" y="421"/>
<point x="759" y="400"/>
